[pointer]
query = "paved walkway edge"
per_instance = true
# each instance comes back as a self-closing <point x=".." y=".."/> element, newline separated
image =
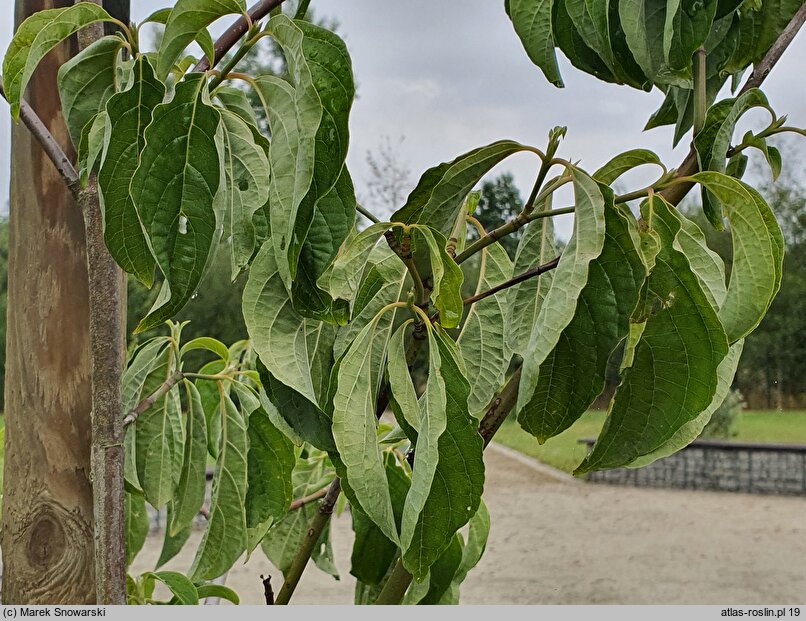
<point x="534" y="464"/>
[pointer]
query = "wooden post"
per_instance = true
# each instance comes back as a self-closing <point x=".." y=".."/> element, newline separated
<point x="47" y="532"/>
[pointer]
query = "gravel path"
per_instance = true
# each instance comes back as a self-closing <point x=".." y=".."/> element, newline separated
<point x="555" y="541"/>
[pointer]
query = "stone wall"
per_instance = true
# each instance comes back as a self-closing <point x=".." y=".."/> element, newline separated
<point x="720" y="466"/>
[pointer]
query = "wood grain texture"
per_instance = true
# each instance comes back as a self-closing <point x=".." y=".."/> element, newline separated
<point x="47" y="535"/>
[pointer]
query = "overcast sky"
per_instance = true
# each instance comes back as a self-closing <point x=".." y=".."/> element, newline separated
<point x="452" y="75"/>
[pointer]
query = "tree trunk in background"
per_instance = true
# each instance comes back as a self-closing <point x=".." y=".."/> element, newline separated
<point x="47" y="533"/>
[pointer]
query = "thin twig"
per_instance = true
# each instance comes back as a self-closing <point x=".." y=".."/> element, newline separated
<point x="234" y="33"/>
<point x="268" y="592"/>
<point x="301" y="502"/>
<point x="303" y="555"/>
<point x="367" y="213"/>
<point x="535" y="271"/>
<point x="49" y="145"/>
<point x="146" y="403"/>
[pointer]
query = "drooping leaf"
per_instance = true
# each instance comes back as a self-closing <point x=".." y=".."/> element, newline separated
<point x="179" y="584"/>
<point x="305" y="421"/>
<point x="35" y="37"/>
<point x="129" y="114"/>
<point x="187" y="19"/>
<point x="532" y="22"/>
<point x="402" y="395"/>
<point x="192" y="481"/>
<point x="459" y="479"/>
<point x="354" y="425"/>
<point x="432" y="424"/>
<point x="172" y="544"/>
<point x="270" y="461"/>
<point x="136" y="524"/>
<point x="643" y="22"/>
<point x="91" y="146"/>
<point x="757" y="253"/>
<point x="441" y="191"/>
<point x="483" y="339"/>
<point x="373" y="552"/>
<point x="296" y="351"/>
<point x="573" y="374"/>
<point x="673" y="375"/>
<point x="570" y="277"/>
<point x="85" y="83"/>
<point x="446" y="276"/>
<point x="173" y="190"/>
<point x="705" y="263"/>
<point x="536" y="247"/>
<point x="478" y="532"/>
<point x="333" y="218"/>
<point x="624" y="162"/>
<point x="225" y="538"/>
<point x="574" y="47"/>
<point x="246" y="186"/>
<point x="688" y="23"/>
<point x="157" y="445"/>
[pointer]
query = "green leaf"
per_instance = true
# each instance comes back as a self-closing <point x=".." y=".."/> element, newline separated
<point x="402" y="395"/>
<point x="92" y="144"/>
<point x="246" y="186"/>
<point x="136" y="524"/>
<point x="179" y="584"/>
<point x="532" y="22"/>
<point x="284" y="405"/>
<point x="573" y="374"/>
<point x="643" y="22"/>
<point x="173" y="544"/>
<point x="441" y="191"/>
<point x="236" y="101"/>
<point x="383" y="283"/>
<point x="208" y="344"/>
<point x="333" y="219"/>
<point x="688" y="23"/>
<point x="625" y="162"/>
<point x="218" y="590"/>
<point x="208" y="391"/>
<point x="432" y="424"/>
<point x="202" y="37"/>
<point x="129" y="115"/>
<point x="225" y="538"/>
<point x="691" y="430"/>
<point x="354" y="425"/>
<point x="590" y="22"/>
<point x="344" y="275"/>
<point x="573" y="45"/>
<point x="86" y="82"/>
<point x="192" y="482"/>
<point x="173" y="190"/>
<point x="673" y="376"/>
<point x="35" y="37"/>
<point x="536" y="247"/>
<point x="446" y="276"/>
<point x="758" y="249"/>
<point x="270" y="461"/>
<point x="373" y="553"/>
<point x="440" y="577"/>
<point x="296" y="351"/>
<point x="483" y="339"/>
<point x="570" y="277"/>
<point x="705" y="263"/>
<point x="187" y="19"/>
<point x="455" y="493"/>
<point x="758" y="30"/>
<point x="157" y="444"/>
<point x="478" y="532"/>
<point x="713" y="141"/>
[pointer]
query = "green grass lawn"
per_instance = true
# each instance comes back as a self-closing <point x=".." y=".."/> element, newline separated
<point x="565" y="452"/>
